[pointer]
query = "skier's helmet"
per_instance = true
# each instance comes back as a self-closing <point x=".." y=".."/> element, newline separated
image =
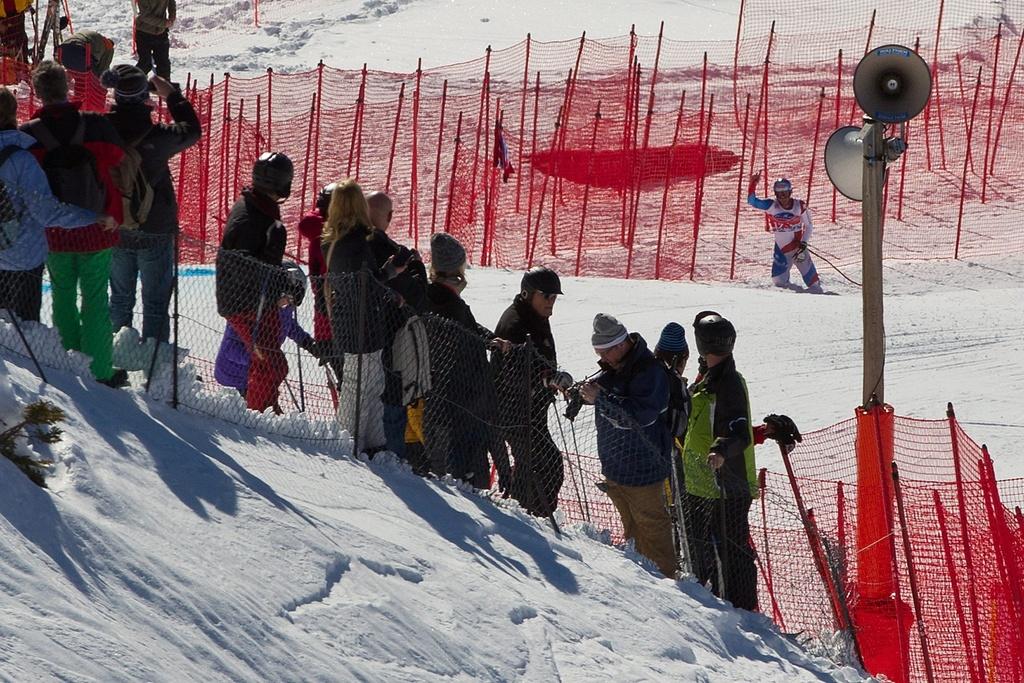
<point x="541" y="279"/>
<point x="714" y="334"/>
<point x="323" y="200"/>
<point x="295" y="281"/>
<point x="273" y="173"/>
<point x="782" y="185"/>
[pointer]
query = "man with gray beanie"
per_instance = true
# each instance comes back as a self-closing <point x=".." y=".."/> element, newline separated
<point x="148" y="252"/>
<point x="77" y="151"/>
<point x="633" y="443"/>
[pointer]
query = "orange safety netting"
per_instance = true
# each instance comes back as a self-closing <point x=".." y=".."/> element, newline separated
<point x="963" y="610"/>
<point x="631" y="154"/>
<point x="655" y="185"/>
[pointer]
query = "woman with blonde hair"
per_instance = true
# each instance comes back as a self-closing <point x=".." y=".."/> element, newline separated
<point x="364" y="313"/>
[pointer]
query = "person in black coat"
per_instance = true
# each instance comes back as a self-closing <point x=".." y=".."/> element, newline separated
<point x="411" y="286"/>
<point x="364" y="312"/>
<point x="461" y="411"/>
<point x="148" y="252"/>
<point x="250" y="283"/>
<point x="528" y="377"/>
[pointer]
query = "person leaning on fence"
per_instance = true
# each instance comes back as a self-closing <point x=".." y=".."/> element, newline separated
<point x="364" y="313"/>
<point x="87" y="51"/>
<point x="720" y="475"/>
<point x="152" y="35"/>
<point x="251" y="284"/>
<point x="147" y="249"/>
<point x="27" y="207"/>
<point x="459" y="415"/>
<point x="311" y="227"/>
<point x="411" y="286"/>
<point x="231" y="368"/>
<point x="77" y="151"/>
<point x="673" y="353"/>
<point x="531" y="376"/>
<point x="633" y="443"/>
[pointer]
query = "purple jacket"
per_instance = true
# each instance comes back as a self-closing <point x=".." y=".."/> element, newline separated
<point x="232" y="366"/>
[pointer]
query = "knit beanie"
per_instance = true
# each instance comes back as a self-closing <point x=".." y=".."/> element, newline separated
<point x="129" y="83"/>
<point x="607" y="332"/>
<point x="673" y="339"/>
<point x="446" y="254"/>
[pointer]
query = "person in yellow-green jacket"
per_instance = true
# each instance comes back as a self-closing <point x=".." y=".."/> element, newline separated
<point x="718" y="467"/>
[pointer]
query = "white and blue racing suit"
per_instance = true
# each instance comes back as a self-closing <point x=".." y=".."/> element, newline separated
<point x="791" y="227"/>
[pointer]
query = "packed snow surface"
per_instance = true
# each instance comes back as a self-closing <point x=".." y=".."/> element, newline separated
<point x="173" y="546"/>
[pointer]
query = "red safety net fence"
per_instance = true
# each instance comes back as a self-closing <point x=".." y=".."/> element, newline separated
<point x="950" y="553"/>
<point x="631" y="154"/>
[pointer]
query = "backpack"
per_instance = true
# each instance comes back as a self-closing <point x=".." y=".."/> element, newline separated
<point x="10" y="221"/>
<point x="678" y="414"/>
<point x="71" y="169"/>
<point x="136" y="192"/>
<point x="410" y="358"/>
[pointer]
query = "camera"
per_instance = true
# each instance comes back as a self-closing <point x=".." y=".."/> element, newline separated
<point x="573" y="401"/>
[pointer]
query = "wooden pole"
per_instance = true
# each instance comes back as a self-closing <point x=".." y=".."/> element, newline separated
<point x="991" y="112"/>
<point x="455" y="168"/>
<point x="586" y="189"/>
<point x="437" y="161"/>
<point x="915" y="593"/>
<point x="739" y="189"/>
<point x="967" y="158"/>
<point x="961" y="505"/>
<point x="664" y="190"/>
<point x="522" y="122"/>
<point x="481" y="124"/>
<point x="414" y="178"/>
<point x="871" y="252"/>
<point x="394" y="138"/>
<point x="1006" y="99"/>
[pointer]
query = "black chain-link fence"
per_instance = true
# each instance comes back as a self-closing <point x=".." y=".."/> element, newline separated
<point x="358" y="365"/>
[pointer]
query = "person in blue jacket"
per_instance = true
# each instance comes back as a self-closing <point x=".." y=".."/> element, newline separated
<point x="231" y="369"/>
<point x="631" y="397"/>
<point x="27" y="208"/>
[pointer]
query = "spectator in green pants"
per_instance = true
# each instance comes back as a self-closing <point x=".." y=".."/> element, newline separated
<point x="87" y="330"/>
<point x="79" y="260"/>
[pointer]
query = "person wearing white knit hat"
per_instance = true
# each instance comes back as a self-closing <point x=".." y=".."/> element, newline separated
<point x="631" y="399"/>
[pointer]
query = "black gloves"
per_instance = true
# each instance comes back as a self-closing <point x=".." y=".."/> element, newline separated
<point x="782" y="429"/>
<point x="801" y="253"/>
<point x="321" y="349"/>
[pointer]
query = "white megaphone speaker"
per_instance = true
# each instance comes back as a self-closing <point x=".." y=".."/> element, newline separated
<point x="892" y="84"/>
<point x="844" y="161"/>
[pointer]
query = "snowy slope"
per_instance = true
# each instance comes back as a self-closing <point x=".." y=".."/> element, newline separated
<point x="215" y="36"/>
<point x="173" y="547"/>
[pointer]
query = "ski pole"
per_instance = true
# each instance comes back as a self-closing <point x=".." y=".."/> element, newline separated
<point x="31" y="353"/>
<point x="723" y="544"/>
<point x="302" y="384"/>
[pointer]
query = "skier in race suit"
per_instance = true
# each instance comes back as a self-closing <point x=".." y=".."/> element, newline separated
<point x="790" y="220"/>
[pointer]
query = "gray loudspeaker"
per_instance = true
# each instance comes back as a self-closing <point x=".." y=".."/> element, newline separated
<point x="844" y="161"/>
<point x="892" y="84"/>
